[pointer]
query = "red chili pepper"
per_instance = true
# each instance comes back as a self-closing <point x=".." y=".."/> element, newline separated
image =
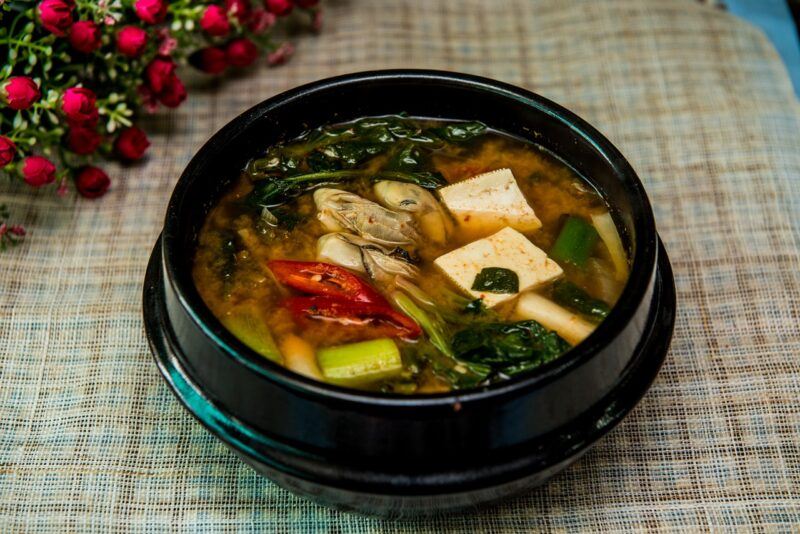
<point x="324" y="279"/>
<point x="382" y="320"/>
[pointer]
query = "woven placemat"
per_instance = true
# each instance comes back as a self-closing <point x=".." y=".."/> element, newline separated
<point x="91" y="438"/>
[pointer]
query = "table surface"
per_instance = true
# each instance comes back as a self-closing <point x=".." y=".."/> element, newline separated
<point x="698" y="100"/>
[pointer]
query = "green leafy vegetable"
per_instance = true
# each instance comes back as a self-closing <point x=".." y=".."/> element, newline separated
<point x="459" y="131"/>
<point x="475" y="307"/>
<point x="333" y="155"/>
<point x="460" y="374"/>
<point x="496" y="280"/>
<point x="575" y="242"/>
<point x="508" y="348"/>
<point x="276" y="191"/>
<point x="571" y="296"/>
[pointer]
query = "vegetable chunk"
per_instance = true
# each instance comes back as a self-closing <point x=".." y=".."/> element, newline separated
<point x="487" y="202"/>
<point x="507" y="249"/>
<point x="359" y="363"/>
<point x="568" y="325"/>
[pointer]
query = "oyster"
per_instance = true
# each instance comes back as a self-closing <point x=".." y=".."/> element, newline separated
<point x="378" y="262"/>
<point x="339" y="210"/>
<point x="411" y="198"/>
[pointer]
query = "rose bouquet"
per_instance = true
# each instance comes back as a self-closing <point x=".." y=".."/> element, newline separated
<point x="77" y="72"/>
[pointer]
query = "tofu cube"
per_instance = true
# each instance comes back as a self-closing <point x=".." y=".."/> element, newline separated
<point x="507" y="249"/>
<point x="487" y="202"/>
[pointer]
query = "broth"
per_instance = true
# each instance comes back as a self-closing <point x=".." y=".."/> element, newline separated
<point x="389" y="316"/>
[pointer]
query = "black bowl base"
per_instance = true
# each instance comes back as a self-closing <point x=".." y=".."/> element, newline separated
<point x="544" y="459"/>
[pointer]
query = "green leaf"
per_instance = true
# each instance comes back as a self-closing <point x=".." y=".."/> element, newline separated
<point x="508" y="346"/>
<point x="571" y="296"/>
<point x="458" y="132"/>
<point x="496" y="280"/>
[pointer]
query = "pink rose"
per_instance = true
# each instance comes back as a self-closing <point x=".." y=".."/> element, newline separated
<point x="20" y="92"/>
<point x="7" y="151"/>
<point x="241" y="52"/>
<point x="91" y="182"/>
<point x="131" y="144"/>
<point x="79" y="105"/>
<point x="131" y="41"/>
<point x="84" y="36"/>
<point x="159" y="72"/>
<point x="239" y="9"/>
<point x="261" y="20"/>
<point x="151" y="11"/>
<point x="215" y="21"/>
<point x="279" y="8"/>
<point x="173" y="94"/>
<point x="38" y="171"/>
<point x="281" y="55"/>
<point x="82" y="140"/>
<point x="210" y="59"/>
<point x="56" y="16"/>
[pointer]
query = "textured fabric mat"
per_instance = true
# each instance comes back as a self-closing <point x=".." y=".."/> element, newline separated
<point x="91" y="438"/>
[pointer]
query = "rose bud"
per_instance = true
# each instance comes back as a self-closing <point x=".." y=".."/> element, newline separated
<point x="215" y="21"/>
<point x="91" y="182"/>
<point x="131" y="41"/>
<point x="38" y="171"/>
<point x="316" y="22"/>
<point x="151" y="11"/>
<point x="261" y="20"/>
<point x="306" y="3"/>
<point x="7" y="151"/>
<point x="279" y="8"/>
<point x="239" y="9"/>
<point x="173" y="94"/>
<point x="56" y="16"/>
<point x="158" y="73"/>
<point x="20" y="92"/>
<point x="281" y="55"/>
<point x="211" y="60"/>
<point x="82" y="140"/>
<point x="241" y="52"/>
<point x="131" y="144"/>
<point x="84" y="36"/>
<point x="79" y="105"/>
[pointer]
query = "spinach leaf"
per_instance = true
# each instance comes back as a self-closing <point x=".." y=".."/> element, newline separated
<point x="571" y="296"/>
<point x="475" y="307"/>
<point x="330" y="155"/>
<point x="407" y="158"/>
<point x="274" y="163"/>
<point x="348" y="155"/>
<point x="276" y="191"/>
<point x="508" y="347"/>
<point x="459" y="132"/>
<point x="496" y="280"/>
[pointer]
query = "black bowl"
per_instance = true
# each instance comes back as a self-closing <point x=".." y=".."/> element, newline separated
<point x="400" y="455"/>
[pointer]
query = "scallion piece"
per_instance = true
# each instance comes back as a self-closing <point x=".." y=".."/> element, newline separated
<point x="360" y="363"/>
<point x="245" y="323"/>
<point x="575" y="243"/>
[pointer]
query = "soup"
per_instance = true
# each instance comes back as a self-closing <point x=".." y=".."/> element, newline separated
<point x="407" y="255"/>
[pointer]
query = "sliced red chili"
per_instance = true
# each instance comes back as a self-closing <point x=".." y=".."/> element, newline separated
<point x="324" y="279"/>
<point x="379" y="319"/>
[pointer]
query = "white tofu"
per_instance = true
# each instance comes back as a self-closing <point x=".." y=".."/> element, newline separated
<point x="508" y="249"/>
<point x="487" y="202"/>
